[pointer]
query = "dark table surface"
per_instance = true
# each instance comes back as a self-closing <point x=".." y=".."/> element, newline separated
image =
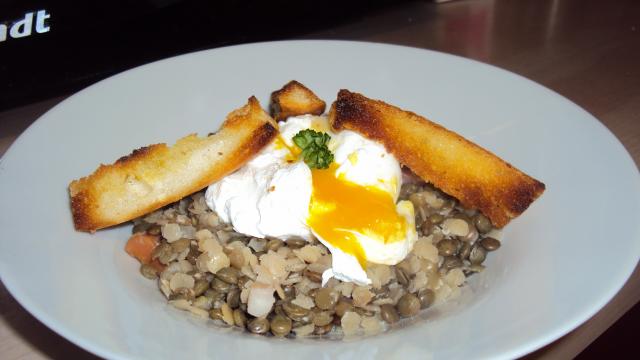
<point x="586" y="50"/>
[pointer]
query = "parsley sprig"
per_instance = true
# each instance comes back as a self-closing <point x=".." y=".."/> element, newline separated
<point x="315" y="152"/>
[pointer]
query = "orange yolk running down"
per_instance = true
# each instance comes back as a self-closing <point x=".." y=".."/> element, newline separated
<point x="340" y="208"/>
<point x="294" y="151"/>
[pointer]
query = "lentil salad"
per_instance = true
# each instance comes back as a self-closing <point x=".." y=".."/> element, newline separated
<point x="453" y="245"/>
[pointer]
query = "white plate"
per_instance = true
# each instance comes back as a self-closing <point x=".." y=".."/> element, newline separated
<point x="560" y="262"/>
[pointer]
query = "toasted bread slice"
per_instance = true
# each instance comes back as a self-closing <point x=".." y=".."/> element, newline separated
<point x="157" y="175"/>
<point x="460" y="168"/>
<point x="295" y="99"/>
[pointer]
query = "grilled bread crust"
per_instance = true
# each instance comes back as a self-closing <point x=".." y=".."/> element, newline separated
<point x="295" y="99"/>
<point x="157" y="175"/>
<point x="460" y="168"/>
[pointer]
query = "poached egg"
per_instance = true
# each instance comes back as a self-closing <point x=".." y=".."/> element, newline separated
<point x="350" y="207"/>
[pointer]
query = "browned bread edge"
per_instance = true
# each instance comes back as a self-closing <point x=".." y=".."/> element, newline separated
<point x="295" y="99"/>
<point x="460" y="168"/>
<point x="115" y="193"/>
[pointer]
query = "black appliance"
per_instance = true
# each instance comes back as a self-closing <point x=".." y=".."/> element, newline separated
<point x="54" y="47"/>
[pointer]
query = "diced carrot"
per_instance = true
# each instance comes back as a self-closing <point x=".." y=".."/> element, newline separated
<point x="141" y="245"/>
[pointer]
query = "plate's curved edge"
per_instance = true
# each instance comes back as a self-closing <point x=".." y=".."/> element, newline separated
<point x="50" y="323"/>
<point x="37" y="312"/>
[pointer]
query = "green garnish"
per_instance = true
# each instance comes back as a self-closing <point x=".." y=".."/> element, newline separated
<point x="315" y="152"/>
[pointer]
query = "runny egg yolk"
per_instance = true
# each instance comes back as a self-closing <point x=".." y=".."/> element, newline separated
<point x="339" y="209"/>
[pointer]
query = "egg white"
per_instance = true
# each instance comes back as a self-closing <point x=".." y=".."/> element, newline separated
<point x="270" y="195"/>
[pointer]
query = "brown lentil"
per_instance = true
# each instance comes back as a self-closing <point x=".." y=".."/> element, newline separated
<point x="490" y="244"/>
<point x="458" y="244"/>
<point x="193" y="254"/>
<point x="140" y="227"/>
<point x="154" y="230"/>
<point x="239" y="318"/>
<point x="233" y="298"/>
<point x="278" y="310"/>
<point x="482" y="223"/>
<point x="200" y="287"/>
<point x="363" y="312"/>
<point x="164" y="253"/>
<point x="289" y="292"/>
<point x="408" y="305"/>
<point x="451" y="262"/>
<point x="274" y="244"/>
<point x="426" y="227"/>
<point x="221" y="286"/>
<point x="322" y="318"/>
<point x="477" y="254"/>
<point x="296" y="243"/>
<point x="214" y="294"/>
<point x="148" y="271"/>
<point x="215" y="314"/>
<point x="313" y="276"/>
<point x="258" y="326"/>
<point x="401" y="276"/>
<point x="181" y="245"/>
<point x="389" y="313"/>
<point x="447" y="247"/>
<point x="464" y="251"/>
<point x="426" y="297"/>
<point x="280" y="325"/>
<point x="476" y="268"/>
<point x="295" y="312"/>
<point x="312" y="293"/>
<point x="436" y="218"/>
<point x="447" y="206"/>
<point x="228" y="275"/>
<point x="227" y="314"/>
<point x="342" y="307"/>
<point x="325" y="299"/>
